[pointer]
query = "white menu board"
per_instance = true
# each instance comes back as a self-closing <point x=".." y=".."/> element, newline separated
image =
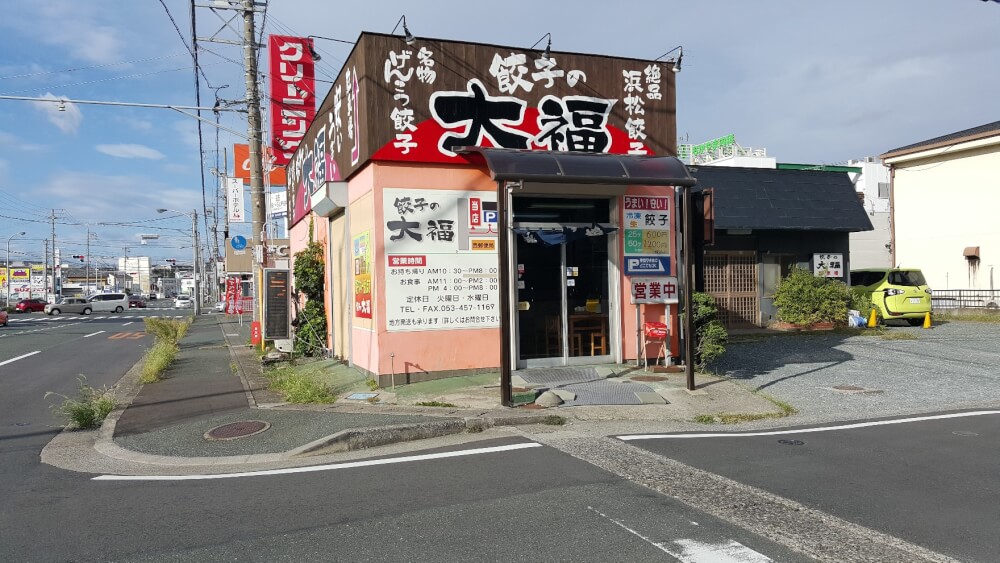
<point x="441" y="270"/>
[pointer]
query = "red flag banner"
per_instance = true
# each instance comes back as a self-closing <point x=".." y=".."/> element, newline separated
<point x="292" y="93"/>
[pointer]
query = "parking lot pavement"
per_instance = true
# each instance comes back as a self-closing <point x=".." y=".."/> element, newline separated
<point x="833" y="376"/>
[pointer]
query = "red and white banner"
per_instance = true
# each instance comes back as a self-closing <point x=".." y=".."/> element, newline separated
<point x="292" y="93"/>
<point x="234" y="301"/>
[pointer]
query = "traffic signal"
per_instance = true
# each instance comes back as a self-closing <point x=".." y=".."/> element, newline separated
<point x="79" y="256"/>
<point x="172" y="261"/>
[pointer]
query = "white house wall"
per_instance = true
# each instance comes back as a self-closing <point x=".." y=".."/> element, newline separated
<point x="944" y="202"/>
<point x="871" y="249"/>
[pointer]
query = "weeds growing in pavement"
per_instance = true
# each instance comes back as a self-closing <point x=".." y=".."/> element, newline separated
<point x="88" y="409"/>
<point x="167" y="330"/>
<point x="987" y="316"/>
<point x="297" y="387"/>
<point x="554" y="420"/>
<point x="167" y="333"/>
<point x="785" y="408"/>
<point x="372" y="384"/>
<point x="435" y="404"/>
<point x="157" y="360"/>
<point x="897" y="335"/>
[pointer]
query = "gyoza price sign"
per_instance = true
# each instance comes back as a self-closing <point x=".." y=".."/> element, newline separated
<point x="654" y="290"/>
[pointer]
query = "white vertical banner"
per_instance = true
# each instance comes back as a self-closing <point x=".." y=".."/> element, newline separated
<point x="234" y="200"/>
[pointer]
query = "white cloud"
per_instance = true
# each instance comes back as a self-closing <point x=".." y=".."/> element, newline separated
<point x="130" y="151"/>
<point x="67" y="119"/>
<point x="12" y="141"/>
<point x="123" y="197"/>
<point x="188" y="131"/>
<point x="77" y="27"/>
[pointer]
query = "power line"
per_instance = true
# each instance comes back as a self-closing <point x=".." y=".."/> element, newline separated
<point x="111" y="79"/>
<point x="33" y="74"/>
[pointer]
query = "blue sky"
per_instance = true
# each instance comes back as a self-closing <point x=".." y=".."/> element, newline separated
<point x="812" y="82"/>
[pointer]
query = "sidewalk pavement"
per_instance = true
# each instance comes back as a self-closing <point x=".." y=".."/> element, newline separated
<point x="217" y="379"/>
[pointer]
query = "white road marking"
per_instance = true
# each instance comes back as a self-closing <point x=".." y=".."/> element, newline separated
<point x="19" y="357"/>
<point x="328" y="467"/>
<point x="806" y="430"/>
<point x="93" y="334"/>
<point x="695" y="551"/>
<point x="128" y="323"/>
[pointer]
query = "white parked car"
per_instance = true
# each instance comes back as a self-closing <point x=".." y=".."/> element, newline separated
<point x="183" y="301"/>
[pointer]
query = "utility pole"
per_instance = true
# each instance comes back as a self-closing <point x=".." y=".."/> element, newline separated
<point x="197" y="258"/>
<point x="125" y="275"/>
<point x="254" y="134"/>
<point x="86" y="275"/>
<point x="55" y="285"/>
<point x="45" y="274"/>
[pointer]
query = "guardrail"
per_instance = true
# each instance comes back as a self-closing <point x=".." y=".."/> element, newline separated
<point x="965" y="299"/>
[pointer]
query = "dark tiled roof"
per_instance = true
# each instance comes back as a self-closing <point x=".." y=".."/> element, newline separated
<point x="982" y="129"/>
<point x="763" y="198"/>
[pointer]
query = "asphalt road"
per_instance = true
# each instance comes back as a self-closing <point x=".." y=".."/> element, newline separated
<point x="522" y="504"/>
<point x="931" y="482"/>
<point x="39" y="355"/>
<point x="527" y="504"/>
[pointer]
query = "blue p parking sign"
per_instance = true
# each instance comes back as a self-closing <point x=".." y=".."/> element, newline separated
<point x="647" y="265"/>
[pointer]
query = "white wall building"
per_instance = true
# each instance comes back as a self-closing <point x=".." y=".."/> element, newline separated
<point x="872" y="249"/>
<point x="945" y="194"/>
<point x="138" y="273"/>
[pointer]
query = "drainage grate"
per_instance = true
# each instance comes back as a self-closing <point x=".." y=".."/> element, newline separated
<point x="791" y="442"/>
<point x="235" y="430"/>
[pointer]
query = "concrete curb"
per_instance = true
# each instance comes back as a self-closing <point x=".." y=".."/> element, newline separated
<point x="128" y="387"/>
<point x="362" y="438"/>
<point x="251" y="401"/>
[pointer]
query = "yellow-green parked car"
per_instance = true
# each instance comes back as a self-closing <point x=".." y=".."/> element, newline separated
<point x="897" y="293"/>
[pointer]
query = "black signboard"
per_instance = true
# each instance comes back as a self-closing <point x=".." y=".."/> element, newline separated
<point x="276" y="304"/>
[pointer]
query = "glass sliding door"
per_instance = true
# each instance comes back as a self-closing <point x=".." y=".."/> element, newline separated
<point x="563" y="291"/>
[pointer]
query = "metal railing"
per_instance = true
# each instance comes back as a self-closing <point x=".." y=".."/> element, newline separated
<point x="965" y="299"/>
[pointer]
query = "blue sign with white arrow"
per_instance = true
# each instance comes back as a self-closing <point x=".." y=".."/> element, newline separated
<point x="647" y="265"/>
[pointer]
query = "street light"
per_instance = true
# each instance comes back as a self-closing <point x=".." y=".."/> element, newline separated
<point x="194" y="237"/>
<point x="7" y="278"/>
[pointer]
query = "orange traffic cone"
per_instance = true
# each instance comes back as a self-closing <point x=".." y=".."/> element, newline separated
<point x="927" y="320"/>
<point x="872" y="319"/>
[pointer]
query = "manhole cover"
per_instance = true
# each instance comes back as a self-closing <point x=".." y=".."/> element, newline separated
<point x="235" y="430"/>
<point x="848" y="388"/>
<point x="649" y="378"/>
<point x="791" y="442"/>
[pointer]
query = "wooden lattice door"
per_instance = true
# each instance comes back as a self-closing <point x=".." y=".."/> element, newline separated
<point x="731" y="278"/>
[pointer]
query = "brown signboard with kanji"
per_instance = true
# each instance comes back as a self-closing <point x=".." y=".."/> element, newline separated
<point x="397" y="102"/>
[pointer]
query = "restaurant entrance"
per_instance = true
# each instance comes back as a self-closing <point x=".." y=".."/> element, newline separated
<point x="563" y="283"/>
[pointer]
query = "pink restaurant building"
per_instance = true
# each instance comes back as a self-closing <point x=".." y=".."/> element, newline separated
<point x="486" y="207"/>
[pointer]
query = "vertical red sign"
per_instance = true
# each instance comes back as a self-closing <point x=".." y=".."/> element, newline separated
<point x="475" y="211"/>
<point x="292" y="93"/>
<point x="255" y="332"/>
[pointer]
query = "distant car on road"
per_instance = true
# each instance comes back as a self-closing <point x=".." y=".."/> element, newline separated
<point x="3" y="317"/>
<point x="220" y="306"/>
<point x="136" y="301"/>
<point x="30" y="305"/>
<point x="69" y="305"/>
<point x="183" y="301"/>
